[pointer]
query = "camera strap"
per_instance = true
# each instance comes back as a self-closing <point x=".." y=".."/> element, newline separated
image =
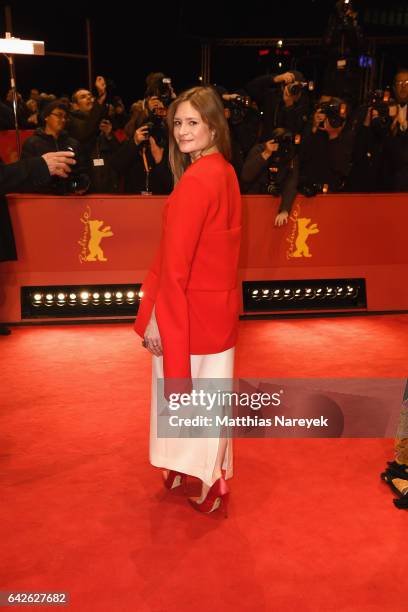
<point x="145" y="162"/>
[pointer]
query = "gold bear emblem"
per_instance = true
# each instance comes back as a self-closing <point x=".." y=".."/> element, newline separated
<point x="96" y="235"/>
<point x="304" y="231"/>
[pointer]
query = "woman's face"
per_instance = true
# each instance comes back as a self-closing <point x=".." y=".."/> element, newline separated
<point x="191" y="133"/>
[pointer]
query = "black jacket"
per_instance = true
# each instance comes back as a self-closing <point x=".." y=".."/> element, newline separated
<point x="324" y="161"/>
<point x="40" y="143"/>
<point x="11" y="177"/>
<point x="268" y="96"/>
<point x="128" y="160"/>
<point x="84" y="127"/>
<point x="255" y="177"/>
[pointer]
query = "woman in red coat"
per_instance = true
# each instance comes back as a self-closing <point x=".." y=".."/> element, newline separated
<point x="188" y="315"/>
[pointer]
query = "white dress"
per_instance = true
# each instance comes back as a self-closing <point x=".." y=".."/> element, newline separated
<point x="193" y="456"/>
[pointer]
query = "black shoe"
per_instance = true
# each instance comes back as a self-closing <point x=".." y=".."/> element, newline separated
<point x="401" y="502"/>
<point x="4" y="331"/>
<point x="393" y="471"/>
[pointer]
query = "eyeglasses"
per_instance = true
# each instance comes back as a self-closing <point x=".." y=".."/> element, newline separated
<point x="400" y="83"/>
<point x="62" y="117"/>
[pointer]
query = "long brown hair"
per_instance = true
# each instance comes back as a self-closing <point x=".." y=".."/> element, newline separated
<point x="207" y="102"/>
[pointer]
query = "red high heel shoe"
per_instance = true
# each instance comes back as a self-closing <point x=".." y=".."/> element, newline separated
<point x="175" y="479"/>
<point x="217" y="496"/>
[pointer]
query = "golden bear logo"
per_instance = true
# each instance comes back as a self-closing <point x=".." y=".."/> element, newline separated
<point x="94" y="248"/>
<point x="93" y="233"/>
<point x="304" y="231"/>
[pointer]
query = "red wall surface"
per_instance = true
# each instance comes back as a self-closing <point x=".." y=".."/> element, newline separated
<point x="8" y="144"/>
<point x="329" y="236"/>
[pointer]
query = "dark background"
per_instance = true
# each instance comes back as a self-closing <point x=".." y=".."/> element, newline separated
<point x="129" y="41"/>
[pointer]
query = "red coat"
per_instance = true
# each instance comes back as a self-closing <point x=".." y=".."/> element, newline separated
<point x="193" y="280"/>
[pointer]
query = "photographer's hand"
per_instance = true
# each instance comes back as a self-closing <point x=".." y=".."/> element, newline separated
<point x="141" y="135"/>
<point x="106" y="128"/>
<point x="368" y="117"/>
<point x="228" y="96"/>
<point x="155" y="150"/>
<point x="270" y="147"/>
<point x="155" y="102"/>
<point x="100" y="85"/>
<point x="318" y="118"/>
<point x="59" y="162"/>
<point x="285" y="77"/>
<point x="281" y="218"/>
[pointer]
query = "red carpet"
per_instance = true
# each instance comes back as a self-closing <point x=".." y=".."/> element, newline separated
<point x="311" y="525"/>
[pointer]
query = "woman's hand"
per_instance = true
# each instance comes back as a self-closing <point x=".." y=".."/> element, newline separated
<point x="152" y="340"/>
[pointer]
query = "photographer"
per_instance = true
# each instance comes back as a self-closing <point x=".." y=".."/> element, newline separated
<point x="104" y="178"/>
<point x="143" y="159"/>
<point x="343" y="44"/>
<point x="272" y="168"/>
<point x="86" y="116"/>
<point x="118" y="116"/>
<point x="53" y="137"/>
<point x="243" y="123"/>
<point x="283" y="99"/>
<point x="243" y="119"/>
<point x="396" y="142"/>
<point x="326" y="150"/>
<point x="372" y="126"/>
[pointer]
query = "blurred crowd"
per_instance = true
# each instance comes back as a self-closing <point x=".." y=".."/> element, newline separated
<point x="284" y="139"/>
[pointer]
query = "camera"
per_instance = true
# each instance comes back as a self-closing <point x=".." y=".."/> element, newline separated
<point x="162" y="89"/>
<point x="281" y="160"/>
<point x="157" y="127"/>
<point x="238" y="107"/>
<point x="295" y="88"/>
<point x="380" y="101"/>
<point x="76" y="183"/>
<point x="335" y="111"/>
<point x="309" y="190"/>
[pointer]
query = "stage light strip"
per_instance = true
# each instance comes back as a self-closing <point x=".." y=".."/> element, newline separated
<point x="316" y="294"/>
<point x="73" y="301"/>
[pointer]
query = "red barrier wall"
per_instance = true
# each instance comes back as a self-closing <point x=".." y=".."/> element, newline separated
<point x="330" y="236"/>
<point x="8" y="144"/>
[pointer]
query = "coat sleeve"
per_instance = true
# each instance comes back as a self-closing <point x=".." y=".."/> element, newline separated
<point x="12" y="176"/>
<point x="149" y="288"/>
<point x="186" y="215"/>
